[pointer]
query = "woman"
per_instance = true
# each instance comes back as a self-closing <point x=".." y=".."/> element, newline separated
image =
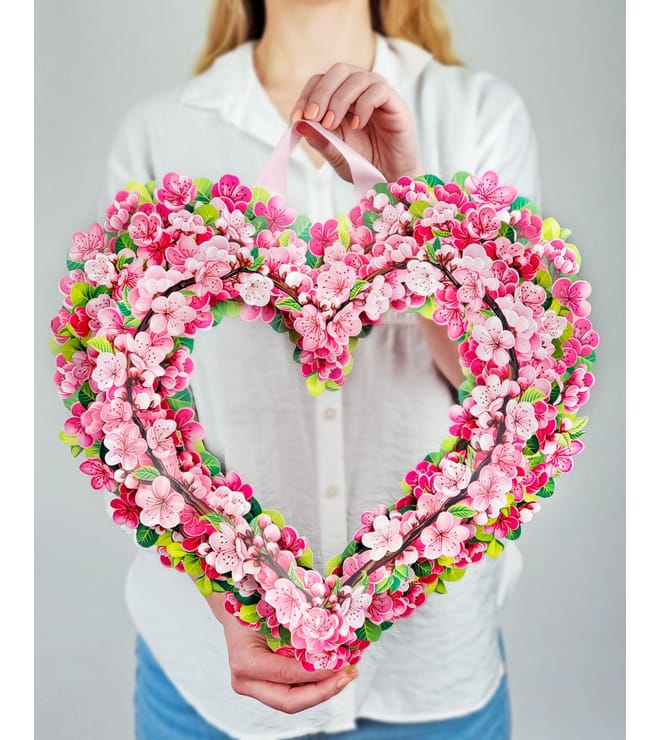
<point x="322" y="461"/>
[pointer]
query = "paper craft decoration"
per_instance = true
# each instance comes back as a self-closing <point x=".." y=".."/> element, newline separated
<point x="178" y="256"/>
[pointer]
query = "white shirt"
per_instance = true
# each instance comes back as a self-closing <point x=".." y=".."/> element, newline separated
<point x="323" y="461"/>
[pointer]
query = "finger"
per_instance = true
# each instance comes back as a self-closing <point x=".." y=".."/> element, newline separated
<point x="376" y="96"/>
<point x="300" y="104"/>
<point x="292" y="699"/>
<point x="319" y="96"/>
<point x="268" y="666"/>
<point x="344" y="97"/>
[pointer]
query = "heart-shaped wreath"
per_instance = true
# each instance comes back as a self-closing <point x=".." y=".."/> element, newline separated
<point x="177" y="257"/>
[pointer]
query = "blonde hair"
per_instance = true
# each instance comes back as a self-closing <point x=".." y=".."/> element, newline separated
<point x="421" y="21"/>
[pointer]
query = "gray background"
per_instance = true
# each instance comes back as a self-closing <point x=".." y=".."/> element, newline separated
<point x="564" y="625"/>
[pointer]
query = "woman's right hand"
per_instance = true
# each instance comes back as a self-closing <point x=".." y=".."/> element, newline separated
<point x="275" y="680"/>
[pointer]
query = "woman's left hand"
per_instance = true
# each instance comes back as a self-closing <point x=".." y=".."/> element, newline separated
<point x="363" y="110"/>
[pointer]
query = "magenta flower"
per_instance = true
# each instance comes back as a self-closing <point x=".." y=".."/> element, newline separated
<point x="277" y="216"/>
<point x="159" y="503"/>
<point x="86" y="246"/>
<point x="322" y="236"/>
<point x="444" y="537"/>
<point x="234" y="195"/>
<point x="573" y="295"/>
<point x="488" y="190"/>
<point x="125" y="512"/>
<point x="493" y="342"/>
<point x="101" y="475"/>
<point x="177" y="191"/>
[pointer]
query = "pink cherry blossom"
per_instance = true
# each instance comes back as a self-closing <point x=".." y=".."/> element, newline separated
<point x="345" y="324"/>
<point x="110" y="370"/>
<point x="145" y="228"/>
<point x="315" y="630"/>
<point x="101" y="475"/>
<point x="423" y="278"/>
<point x="125" y="446"/>
<point x="385" y="538"/>
<point x="159" y="437"/>
<point x="255" y="289"/>
<point x="443" y="537"/>
<point x="311" y="326"/>
<point x="520" y="419"/>
<point x="170" y="314"/>
<point x="452" y="478"/>
<point x="334" y="285"/>
<point x="486" y="189"/>
<point x="573" y="295"/>
<point x="489" y="490"/>
<point x="288" y="600"/>
<point x="322" y="236"/>
<point x="493" y="342"/>
<point x="101" y="270"/>
<point x="177" y="191"/>
<point x="159" y="503"/>
<point x="277" y="216"/>
<point x="87" y="246"/>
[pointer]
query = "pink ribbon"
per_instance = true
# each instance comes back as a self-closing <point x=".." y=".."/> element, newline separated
<point x="274" y="173"/>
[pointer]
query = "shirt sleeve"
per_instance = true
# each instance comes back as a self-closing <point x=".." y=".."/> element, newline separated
<point x="129" y="159"/>
<point x="505" y="139"/>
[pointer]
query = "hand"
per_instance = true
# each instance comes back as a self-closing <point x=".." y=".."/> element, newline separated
<point x="274" y="680"/>
<point x="363" y="110"/>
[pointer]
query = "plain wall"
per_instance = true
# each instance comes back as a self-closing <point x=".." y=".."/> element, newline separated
<point x="564" y="625"/>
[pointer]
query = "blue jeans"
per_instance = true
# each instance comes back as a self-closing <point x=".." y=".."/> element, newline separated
<point x="162" y="714"/>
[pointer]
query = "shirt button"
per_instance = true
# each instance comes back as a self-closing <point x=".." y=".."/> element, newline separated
<point x="329" y="413"/>
<point x="332" y="492"/>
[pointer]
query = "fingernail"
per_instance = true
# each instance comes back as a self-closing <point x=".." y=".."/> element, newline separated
<point x="328" y="119"/>
<point x="355" y="122"/>
<point x="296" y="115"/>
<point x="344" y="681"/>
<point x="312" y="110"/>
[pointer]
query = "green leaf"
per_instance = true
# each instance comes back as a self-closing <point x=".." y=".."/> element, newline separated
<point x="369" y="631"/>
<point x="461" y="511"/>
<point x="141" y="190"/>
<point x="81" y="294"/>
<point x="314" y="385"/>
<point x="147" y="472"/>
<point x="454" y="574"/>
<point x="124" y="241"/>
<point x="466" y="388"/>
<point x="75" y="264"/>
<point x="101" y="344"/>
<point x="418" y="207"/>
<point x="519" y="203"/>
<point x="180" y="400"/>
<point x="578" y="425"/>
<point x="257" y="263"/>
<point x="532" y="444"/>
<point x="290" y="304"/>
<point x="279" y="324"/>
<point x="300" y="224"/>
<point x="225" y="308"/>
<point x="203" y="185"/>
<point x="554" y="393"/>
<point x="547" y="490"/>
<point x="295" y="578"/>
<point x="217" y="519"/>
<point x="382" y="189"/>
<point x="145" y="536"/>
<point x="368" y="218"/>
<point x="440" y="587"/>
<point x="551" y="229"/>
<point x="208" y="213"/>
<point x="531" y="395"/>
<point x="431" y="249"/>
<point x="494" y="548"/>
<point x="191" y="564"/>
<point x="459" y="178"/>
<point x="204" y="585"/>
<point x="513" y="534"/>
<point x="430" y="180"/>
<point x="359" y="285"/>
<point x="306" y="560"/>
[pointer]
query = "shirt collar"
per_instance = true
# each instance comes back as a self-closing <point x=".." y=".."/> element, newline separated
<point x="231" y="86"/>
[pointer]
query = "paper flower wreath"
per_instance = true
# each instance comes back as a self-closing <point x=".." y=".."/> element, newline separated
<point x="176" y="257"/>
